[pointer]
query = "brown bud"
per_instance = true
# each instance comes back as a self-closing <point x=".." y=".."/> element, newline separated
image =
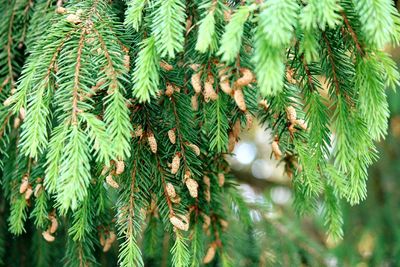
<point x="105" y="170"/>
<point x="138" y="131"/>
<point x="17" y="122"/>
<point x="263" y="103"/>
<point x="61" y="10"/>
<point x="24" y="184"/>
<point x="102" y="240"/>
<point x="127" y="60"/>
<point x="239" y="99"/>
<point x="8" y="101"/>
<point x="302" y="124"/>
<point x="111" y="182"/>
<point x="47" y="236"/>
<point x="172" y="136"/>
<point x="195" y="103"/>
<point x="164" y="65"/>
<point x="175" y="163"/>
<point x="231" y="142"/>
<point x="249" y="120"/>
<point x="195" y="149"/>
<point x="54" y="224"/>
<point x="170" y="90"/>
<point x="225" y="86"/>
<point x="246" y="79"/>
<point x="179" y="223"/>
<point x="120" y="167"/>
<point x="221" y="179"/>
<point x="38" y="190"/>
<point x="28" y="193"/>
<point x="196" y="82"/>
<point x="74" y="19"/>
<point x="152" y="142"/>
<point x="276" y="150"/>
<point x="291" y="114"/>
<point x="170" y="190"/>
<point x="22" y="113"/>
<point x="209" y="92"/>
<point x="224" y="224"/>
<point x="210" y="254"/>
<point x="192" y="186"/>
<point x="176" y="199"/>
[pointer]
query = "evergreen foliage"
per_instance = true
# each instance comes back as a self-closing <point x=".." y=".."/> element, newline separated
<point x="117" y="118"/>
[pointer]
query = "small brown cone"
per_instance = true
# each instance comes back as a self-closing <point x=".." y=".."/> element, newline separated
<point x="61" y="10"/>
<point x="167" y="67"/>
<point x="291" y="114"/>
<point x="138" y="131"/>
<point x="196" y="82"/>
<point x="170" y="90"/>
<point x="221" y="179"/>
<point x="54" y="224"/>
<point x="170" y="190"/>
<point x="47" y="236"/>
<point x="24" y="184"/>
<point x="38" y="190"/>
<point x="210" y="254"/>
<point x="192" y="186"/>
<point x="172" y="136"/>
<point x="175" y="163"/>
<point x="209" y="92"/>
<point x="152" y="142"/>
<point x="195" y="103"/>
<point x="28" y="193"/>
<point x="225" y="86"/>
<point x="207" y="192"/>
<point x="111" y="182"/>
<point x="276" y="150"/>
<point x="246" y="79"/>
<point x="179" y="223"/>
<point x="239" y="99"/>
<point x="17" y="122"/>
<point x="74" y="19"/>
<point x="7" y="102"/>
<point x="22" y="113"/>
<point x="195" y="149"/>
<point x="120" y="167"/>
<point x="302" y="124"/>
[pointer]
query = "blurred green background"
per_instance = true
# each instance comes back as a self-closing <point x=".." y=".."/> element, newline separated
<point x="371" y="229"/>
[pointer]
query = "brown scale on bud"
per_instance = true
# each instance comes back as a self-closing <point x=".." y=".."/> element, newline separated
<point x="54" y="224"/>
<point x="170" y="90"/>
<point x="176" y="162"/>
<point x="195" y="103"/>
<point x="47" y="236"/>
<point x="221" y="179"/>
<point x="24" y="184"/>
<point x="196" y="82"/>
<point x="179" y="223"/>
<point x="225" y="85"/>
<point x="111" y="182"/>
<point x="170" y="190"/>
<point x="28" y="193"/>
<point x="246" y="79"/>
<point x="209" y="92"/>
<point x="224" y="224"/>
<point x="74" y="19"/>
<point x="276" y="150"/>
<point x="172" y="136"/>
<point x="119" y="167"/>
<point x="206" y="220"/>
<point x="210" y="254"/>
<point x="165" y="66"/>
<point x="152" y="142"/>
<point x="231" y="142"/>
<point x="239" y="99"/>
<point x="195" y="149"/>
